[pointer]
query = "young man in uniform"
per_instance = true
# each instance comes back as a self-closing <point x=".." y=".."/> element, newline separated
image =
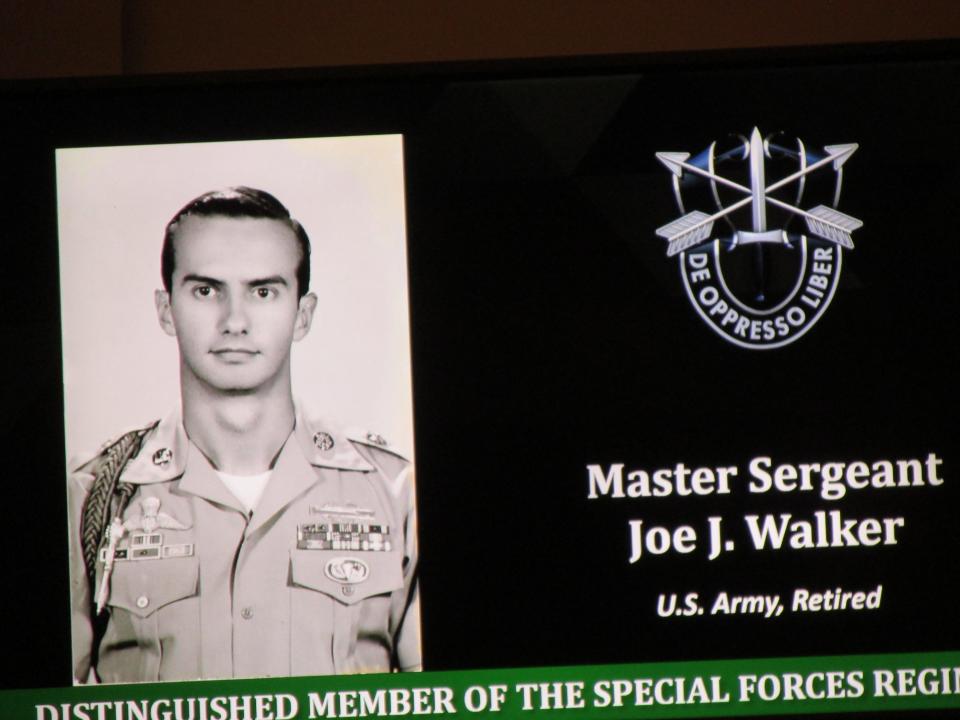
<point x="239" y="537"/>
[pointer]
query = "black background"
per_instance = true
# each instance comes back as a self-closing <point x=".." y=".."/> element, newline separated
<point x="550" y="331"/>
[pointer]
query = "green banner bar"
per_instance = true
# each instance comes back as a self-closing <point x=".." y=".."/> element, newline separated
<point x="729" y="688"/>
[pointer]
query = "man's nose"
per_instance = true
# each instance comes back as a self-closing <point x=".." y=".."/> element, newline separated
<point x="235" y="320"/>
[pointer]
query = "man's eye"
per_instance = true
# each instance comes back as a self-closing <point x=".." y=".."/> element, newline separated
<point x="264" y="293"/>
<point x="204" y="291"/>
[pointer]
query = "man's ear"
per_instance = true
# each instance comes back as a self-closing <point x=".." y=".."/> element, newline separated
<point x="305" y="308"/>
<point x="161" y="298"/>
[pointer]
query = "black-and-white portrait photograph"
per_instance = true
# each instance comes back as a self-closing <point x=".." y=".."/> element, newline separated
<point x="238" y="409"/>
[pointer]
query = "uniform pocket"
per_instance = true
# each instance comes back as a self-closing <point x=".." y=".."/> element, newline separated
<point x="141" y="587"/>
<point x="345" y="576"/>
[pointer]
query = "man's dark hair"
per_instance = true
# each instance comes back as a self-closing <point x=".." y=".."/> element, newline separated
<point x="236" y="202"/>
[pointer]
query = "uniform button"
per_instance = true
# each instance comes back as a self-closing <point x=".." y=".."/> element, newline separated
<point x="162" y="456"/>
<point x="246" y="613"/>
<point x="347" y="590"/>
<point x="143" y="601"/>
<point x="376" y="439"/>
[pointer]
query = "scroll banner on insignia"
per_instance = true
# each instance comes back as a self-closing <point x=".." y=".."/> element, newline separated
<point x="728" y="688"/>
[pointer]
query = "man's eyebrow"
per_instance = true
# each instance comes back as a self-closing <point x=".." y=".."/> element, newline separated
<point x="203" y="279"/>
<point x="256" y="282"/>
<point x="272" y="280"/>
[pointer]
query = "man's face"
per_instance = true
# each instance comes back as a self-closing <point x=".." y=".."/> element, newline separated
<point x="233" y="303"/>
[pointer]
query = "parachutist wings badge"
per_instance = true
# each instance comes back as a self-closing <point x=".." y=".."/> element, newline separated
<point x="151" y="518"/>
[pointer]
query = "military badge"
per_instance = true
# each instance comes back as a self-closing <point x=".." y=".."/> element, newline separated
<point x="151" y="518"/>
<point x="346" y="570"/>
<point x="344" y="527"/>
<point x="323" y="441"/>
<point x="759" y="280"/>
<point x="144" y="545"/>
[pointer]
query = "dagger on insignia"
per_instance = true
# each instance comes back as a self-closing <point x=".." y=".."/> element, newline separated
<point x="695" y="227"/>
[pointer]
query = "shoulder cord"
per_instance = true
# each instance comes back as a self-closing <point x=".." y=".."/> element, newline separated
<point x="95" y="517"/>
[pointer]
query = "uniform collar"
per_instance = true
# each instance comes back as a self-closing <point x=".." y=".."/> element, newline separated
<point x="163" y="455"/>
<point x="325" y="444"/>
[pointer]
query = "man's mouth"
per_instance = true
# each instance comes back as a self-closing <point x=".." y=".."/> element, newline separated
<point x="234" y="355"/>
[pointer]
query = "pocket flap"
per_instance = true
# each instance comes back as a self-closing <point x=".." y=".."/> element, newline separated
<point x="142" y="587"/>
<point x="345" y="576"/>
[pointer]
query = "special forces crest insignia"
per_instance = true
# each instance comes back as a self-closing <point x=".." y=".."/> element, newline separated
<point x="769" y="269"/>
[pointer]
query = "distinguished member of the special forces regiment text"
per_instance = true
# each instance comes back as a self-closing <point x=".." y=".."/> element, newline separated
<point x="240" y="536"/>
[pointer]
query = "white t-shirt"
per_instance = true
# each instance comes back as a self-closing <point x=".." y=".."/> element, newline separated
<point x="248" y="489"/>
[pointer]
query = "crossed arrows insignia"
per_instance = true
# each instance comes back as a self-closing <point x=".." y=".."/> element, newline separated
<point x="823" y="221"/>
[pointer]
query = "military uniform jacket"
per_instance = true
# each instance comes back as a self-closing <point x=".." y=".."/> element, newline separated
<point x="319" y="579"/>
